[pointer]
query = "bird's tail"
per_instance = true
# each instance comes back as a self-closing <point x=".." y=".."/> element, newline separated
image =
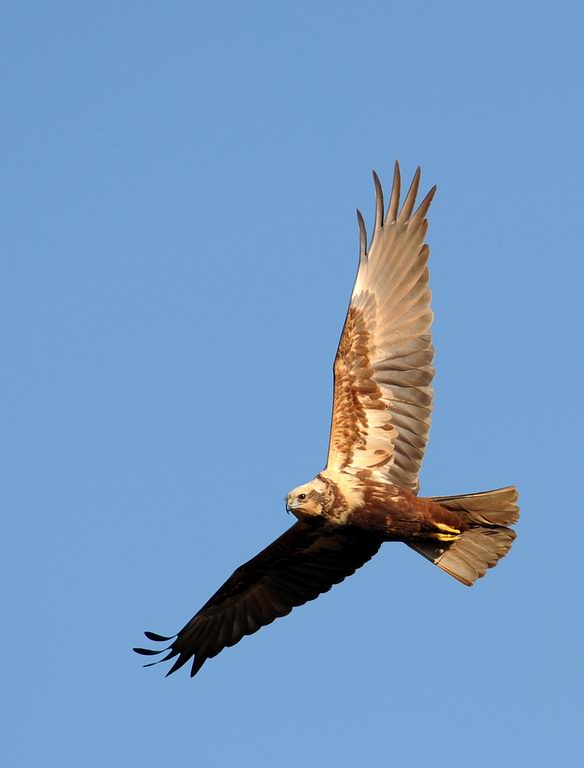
<point x="484" y="543"/>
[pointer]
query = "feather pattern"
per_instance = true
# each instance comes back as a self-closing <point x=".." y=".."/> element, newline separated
<point x="368" y="492"/>
<point x="383" y="367"/>
<point x="307" y="560"/>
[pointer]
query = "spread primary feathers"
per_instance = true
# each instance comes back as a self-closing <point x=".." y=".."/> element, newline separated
<point x="367" y="494"/>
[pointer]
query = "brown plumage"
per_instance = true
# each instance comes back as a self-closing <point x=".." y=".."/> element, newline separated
<point x="367" y="494"/>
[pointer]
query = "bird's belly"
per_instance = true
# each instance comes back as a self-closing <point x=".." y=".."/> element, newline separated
<point x="396" y="516"/>
<point x="385" y="525"/>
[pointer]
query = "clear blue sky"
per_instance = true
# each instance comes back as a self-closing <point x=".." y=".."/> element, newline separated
<point x="179" y="243"/>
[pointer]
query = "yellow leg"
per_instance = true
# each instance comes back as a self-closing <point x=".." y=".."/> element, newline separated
<point x="446" y="536"/>
<point x="449" y="533"/>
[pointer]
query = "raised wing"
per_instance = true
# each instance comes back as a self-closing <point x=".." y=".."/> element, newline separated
<point x="297" y="567"/>
<point x="383" y="368"/>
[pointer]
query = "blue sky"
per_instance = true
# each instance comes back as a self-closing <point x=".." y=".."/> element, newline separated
<point x="178" y="250"/>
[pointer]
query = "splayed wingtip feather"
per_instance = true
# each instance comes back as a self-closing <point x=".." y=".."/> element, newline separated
<point x="362" y="235"/>
<point x="378" y="202"/>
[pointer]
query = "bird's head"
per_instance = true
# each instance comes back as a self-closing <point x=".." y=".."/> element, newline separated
<point x="307" y="500"/>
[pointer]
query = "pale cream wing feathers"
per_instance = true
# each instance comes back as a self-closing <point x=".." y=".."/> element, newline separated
<point x="383" y="368"/>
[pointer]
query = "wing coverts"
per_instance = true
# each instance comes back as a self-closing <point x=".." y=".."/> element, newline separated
<point x="383" y="367"/>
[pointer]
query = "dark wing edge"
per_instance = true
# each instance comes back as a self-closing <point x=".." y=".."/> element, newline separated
<point x="301" y="564"/>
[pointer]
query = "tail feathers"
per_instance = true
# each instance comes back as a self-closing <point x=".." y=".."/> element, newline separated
<point x="497" y="507"/>
<point x="481" y="546"/>
<point x="469" y="558"/>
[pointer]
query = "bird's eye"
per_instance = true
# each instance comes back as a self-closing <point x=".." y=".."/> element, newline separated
<point x="301" y="496"/>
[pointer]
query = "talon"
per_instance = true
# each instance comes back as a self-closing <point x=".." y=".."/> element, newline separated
<point x="447" y="528"/>
<point x="448" y="533"/>
<point x="447" y="536"/>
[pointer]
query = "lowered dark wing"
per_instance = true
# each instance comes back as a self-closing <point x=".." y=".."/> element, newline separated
<point x="297" y="567"/>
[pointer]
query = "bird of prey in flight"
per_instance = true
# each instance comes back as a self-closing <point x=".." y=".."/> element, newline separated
<point x="368" y="492"/>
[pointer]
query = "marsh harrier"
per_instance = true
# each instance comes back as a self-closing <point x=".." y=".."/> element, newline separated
<point x="368" y="492"/>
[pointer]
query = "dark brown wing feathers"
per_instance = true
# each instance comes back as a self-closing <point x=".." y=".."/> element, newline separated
<point x="307" y="560"/>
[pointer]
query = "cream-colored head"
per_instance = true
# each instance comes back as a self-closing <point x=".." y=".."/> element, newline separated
<point x="308" y="500"/>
